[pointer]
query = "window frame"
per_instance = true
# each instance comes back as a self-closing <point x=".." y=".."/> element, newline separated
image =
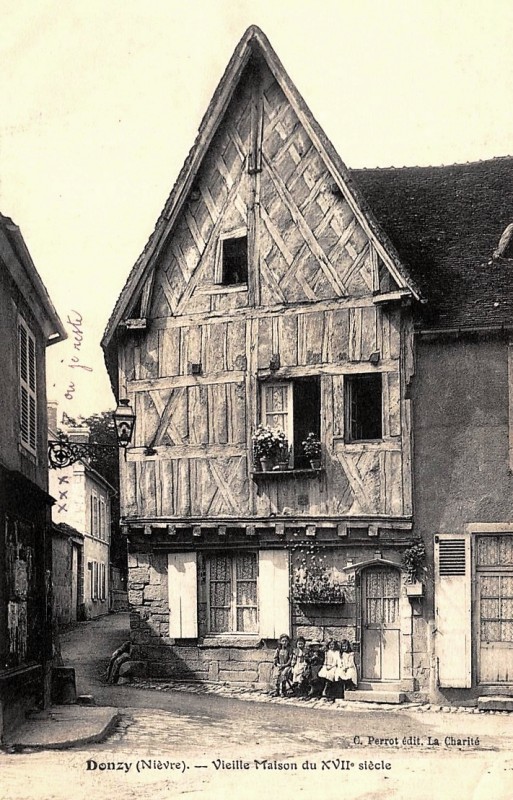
<point x="348" y="403"/>
<point x="219" y="278"/>
<point x="290" y="384"/>
<point x="289" y="412"/>
<point x="234" y="606"/>
<point x="27" y="384"/>
<point x="95" y="516"/>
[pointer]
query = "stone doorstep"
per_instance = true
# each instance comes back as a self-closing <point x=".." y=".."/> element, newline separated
<point x="495" y="703"/>
<point x="375" y="696"/>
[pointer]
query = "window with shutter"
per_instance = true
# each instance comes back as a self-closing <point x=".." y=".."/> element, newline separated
<point x="27" y="378"/>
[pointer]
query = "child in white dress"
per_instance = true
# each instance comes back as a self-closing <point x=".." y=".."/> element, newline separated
<point x="347" y="670"/>
<point x="330" y="669"/>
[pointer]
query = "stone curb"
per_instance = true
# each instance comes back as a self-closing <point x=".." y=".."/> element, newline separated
<point x="40" y="734"/>
<point x="258" y="696"/>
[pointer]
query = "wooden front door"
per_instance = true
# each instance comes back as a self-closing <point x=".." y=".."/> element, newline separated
<point x="380" y="624"/>
<point x="494" y="607"/>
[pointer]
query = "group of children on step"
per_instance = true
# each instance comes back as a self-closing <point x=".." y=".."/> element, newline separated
<point x="301" y="671"/>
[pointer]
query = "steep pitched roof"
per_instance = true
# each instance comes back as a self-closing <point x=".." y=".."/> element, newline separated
<point x="446" y="223"/>
<point x="253" y="41"/>
<point x="29" y="281"/>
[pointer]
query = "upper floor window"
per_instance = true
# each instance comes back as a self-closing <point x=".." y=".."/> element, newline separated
<point x="232" y="259"/>
<point x="295" y="408"/>
<point x="103" y="520"/>
<point x="94" y="516"/>
<point x="363" y="398"/>
<point x="27" y="376"/>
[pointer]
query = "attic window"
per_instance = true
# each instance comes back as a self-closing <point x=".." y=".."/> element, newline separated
<point x="233" y="260"/>
<point x="505" y="246"/>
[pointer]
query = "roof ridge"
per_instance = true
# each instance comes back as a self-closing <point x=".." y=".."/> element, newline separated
<point x="433" y="166"/>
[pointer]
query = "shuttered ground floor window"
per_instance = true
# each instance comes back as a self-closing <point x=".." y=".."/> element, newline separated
<point x="232" y="592"/>
<point x="244" y="592"/>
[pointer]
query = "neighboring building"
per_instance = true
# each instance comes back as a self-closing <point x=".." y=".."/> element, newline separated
<point x="67" y="573"/>
<point x="279" y="288"/>
<point x="83" y="501"/>
<point x="29" y="325"/>
<point x="454" y="225"/>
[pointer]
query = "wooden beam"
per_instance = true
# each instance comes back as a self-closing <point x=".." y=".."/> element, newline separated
<point x="391" y="297"/>
<point x="256" y="121"/>
<point x="138" y="324"/>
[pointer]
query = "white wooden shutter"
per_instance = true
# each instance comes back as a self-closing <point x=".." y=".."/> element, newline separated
<point x="183" y="595"/>
<point x="273" y="593"/>
<point x="453" y="643"/>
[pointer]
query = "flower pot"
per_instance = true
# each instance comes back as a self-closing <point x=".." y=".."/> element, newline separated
<point x="266" y="464"/>
<point x="415" y="589"/>
<point x="282" y="466"/>
<point x="315" y="463"/>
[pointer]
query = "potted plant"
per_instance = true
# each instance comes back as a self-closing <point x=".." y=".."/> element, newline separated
<point x="267" y="445"/>
<point x="282" y="458"/>
<point x="414" y="565"/>
<point x="316" y="587"/>
<point x="312" y="450"/>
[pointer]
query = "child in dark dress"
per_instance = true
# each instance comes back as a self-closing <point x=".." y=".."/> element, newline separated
<point x="283" y="666"/>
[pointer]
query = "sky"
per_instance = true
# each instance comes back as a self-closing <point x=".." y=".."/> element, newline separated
<point x="101" y="100"/>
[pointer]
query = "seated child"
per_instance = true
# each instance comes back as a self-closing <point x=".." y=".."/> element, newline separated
<point x="316" y="659"/>
<point x="330" y="669"/>
<point x="282" y="666"/>
<point x="300" y="667"/>
<point x="347" y="670"/>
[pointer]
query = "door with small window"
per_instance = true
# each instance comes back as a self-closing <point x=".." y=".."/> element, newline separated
<point x="494" y="604"/>
<point x="232" y="583"/>
<point x="381" y="631"/>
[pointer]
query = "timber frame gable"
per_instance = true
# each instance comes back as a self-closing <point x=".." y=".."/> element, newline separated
<point x="293" y="129"/>
<point x="319" y="315"/>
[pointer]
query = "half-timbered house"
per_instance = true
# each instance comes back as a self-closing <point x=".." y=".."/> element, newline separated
<point x="273" y="293"/>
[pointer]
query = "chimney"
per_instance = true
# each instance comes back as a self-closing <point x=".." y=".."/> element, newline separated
<point x="78" y="435"/>
<point x="51" y="410"/>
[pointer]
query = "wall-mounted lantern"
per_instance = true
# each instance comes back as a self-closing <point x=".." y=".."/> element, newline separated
<point x="124" y="420"/>
<point x="62" y="454"/>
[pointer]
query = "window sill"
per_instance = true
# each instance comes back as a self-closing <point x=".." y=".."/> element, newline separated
<point x="223" y="288"/>
<point x="290" y="473"/>
<point x="231" y="640"/>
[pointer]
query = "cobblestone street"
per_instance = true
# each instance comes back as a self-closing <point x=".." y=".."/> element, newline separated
<point x="172" y="740"/>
